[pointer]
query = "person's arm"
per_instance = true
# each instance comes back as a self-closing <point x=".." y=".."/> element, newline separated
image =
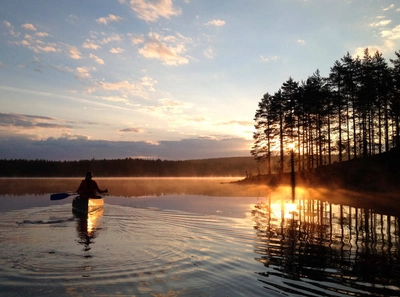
<point x="98" y="189"/>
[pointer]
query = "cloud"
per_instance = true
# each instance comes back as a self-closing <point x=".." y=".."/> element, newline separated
<point x="42" y="34"/>
<point x="7" y="24"/>
<point x="239" y="123"/>
<point x="11" y="29"/>
<point x="390" y="42"/>
<point x="97" y="59"/>
<point x="148" y="82"/>
<point x="116" y="50"/>
<point x="72" y="18"/>
<point x="380" y="23"/>
<point x="83" y="72"/>
<point x="47" y="48"/>
<point x="359" y="51"/>
<point x="269" y="59"/>
<point x="70" y="147"/>
<point x="140" y="88"/>
<point x="29" y="121"/>
<point x="110" y="18"/>
<point x="73" y="52"/>
<point x="391" y="6"/>
<point x="29" y="27"/>
<point x="152" y="10"/>
<point x="301" y="41"/>
<point x="392" y="34"/>
<point x="217" y="23"/>
<point x="209" y="53"/>
<point x="137" y="39"/>
<point x="111" y="38"/>
<point x="90" y="45"/>
<point x="168" y="109"/>
<point x="131" y="130"/>
<point x="36" y="44"/>
<point x="167" y="49"/>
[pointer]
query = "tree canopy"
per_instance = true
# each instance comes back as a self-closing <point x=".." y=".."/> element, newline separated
<point x="352" y="113"/>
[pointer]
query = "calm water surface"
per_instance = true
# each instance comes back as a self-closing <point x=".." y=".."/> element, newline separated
<point x="189" y="237"/>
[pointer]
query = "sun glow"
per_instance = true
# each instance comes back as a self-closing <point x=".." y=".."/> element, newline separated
<point x="283" y="210"/>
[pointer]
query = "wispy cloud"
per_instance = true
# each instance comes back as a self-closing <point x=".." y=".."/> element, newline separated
<point x="80" y="147"/>
<point x="301" y="41"/>
<point x="83" y="72"/>
<point x="209" y="53"/>
<point x="108" y="19"/>
<point x="175" y="112"/>
<point x="29" y="121"/>
<point x="72" y="18"/>
<point x="35" y="42"/>
<point x="36" y="45"/>
<point x="216" y="23"/>
<point x="151" y="11"/>
<point x="29" y="27"/>
<point x="126" y="88"/>
<point x="131" y="130"/>
<point x="390" y="37"/>
<point x="390" y="42"/>
<point x="239" y="123"/>
<point x="88" y="44"/>
<point x="116" y="50"/>
<point x="8" y="24"/>
<point x="168" y="49"/>
<point x="75" y="99"/>
<point x="41" y="34"/>
<point x="136" y="39"/>
<point x="269" y="59"/>
<point x="391" y="6"/>
<point x="97" y="59"/>
<point x="111" y="38"/>
<point x="391" y="34"/>
<point x="73" y="52"/>
<point x="380" y="23"/>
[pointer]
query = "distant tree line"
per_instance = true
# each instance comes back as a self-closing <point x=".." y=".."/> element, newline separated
<point x="352" y="113"/>
<point x="235" y="166"/>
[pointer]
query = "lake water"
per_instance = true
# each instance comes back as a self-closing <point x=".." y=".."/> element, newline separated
<point x="197" y="237"/>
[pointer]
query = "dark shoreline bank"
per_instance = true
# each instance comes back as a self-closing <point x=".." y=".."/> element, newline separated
<point x="378" y="173"/>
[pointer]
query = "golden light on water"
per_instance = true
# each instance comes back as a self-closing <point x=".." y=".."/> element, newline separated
<point x="283" y="210"/>
<point x="93" y="220"/>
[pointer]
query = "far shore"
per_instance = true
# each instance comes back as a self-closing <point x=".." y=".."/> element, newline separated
<point x="374" y="174"/>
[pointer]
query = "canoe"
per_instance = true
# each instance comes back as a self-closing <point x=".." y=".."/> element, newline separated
<point x="86" y="206"/>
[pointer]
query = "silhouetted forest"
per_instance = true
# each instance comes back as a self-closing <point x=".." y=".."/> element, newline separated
<point x="235" y="166"/>
<point x="353" y="113"/>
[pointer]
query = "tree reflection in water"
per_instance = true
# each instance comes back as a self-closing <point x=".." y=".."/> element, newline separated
<point x="313" y="246"/>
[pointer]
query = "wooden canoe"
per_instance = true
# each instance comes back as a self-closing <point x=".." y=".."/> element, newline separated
<point x="86" y="206"/>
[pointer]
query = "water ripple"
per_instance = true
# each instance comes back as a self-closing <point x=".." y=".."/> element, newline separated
<point x="139" y="250"/>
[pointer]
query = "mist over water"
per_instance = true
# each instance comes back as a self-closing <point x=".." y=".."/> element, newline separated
<point x="197" y="237"/>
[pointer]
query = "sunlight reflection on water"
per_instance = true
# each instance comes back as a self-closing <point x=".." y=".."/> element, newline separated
<point x="237" y="244"/>
<point x="130" y="250"/>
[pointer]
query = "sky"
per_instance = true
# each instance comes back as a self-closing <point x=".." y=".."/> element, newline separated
<point x="165" y="79"/>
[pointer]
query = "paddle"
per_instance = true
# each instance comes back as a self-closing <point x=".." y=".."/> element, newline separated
<point x="59" y="196"/>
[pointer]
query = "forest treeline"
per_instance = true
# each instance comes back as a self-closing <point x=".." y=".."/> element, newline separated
<point x="235" y="166"/>
<point x="352" y="113"/>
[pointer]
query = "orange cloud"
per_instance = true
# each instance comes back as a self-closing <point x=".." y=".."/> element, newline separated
<point x="151" y="11"/>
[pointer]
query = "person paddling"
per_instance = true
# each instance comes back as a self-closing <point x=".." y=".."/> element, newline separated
<point x="89" y="188"/>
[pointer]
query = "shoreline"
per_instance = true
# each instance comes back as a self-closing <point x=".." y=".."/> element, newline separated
<point x="374" y="174"/>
